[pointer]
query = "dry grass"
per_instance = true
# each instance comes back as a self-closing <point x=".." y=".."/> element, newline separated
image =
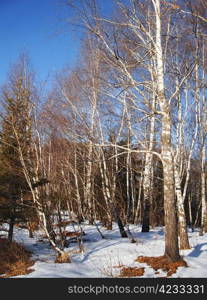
<point x="34" y="226"/>
<point x="109" y="267"/>
<point x="131" y="272"/>
<point x="21" y="225"/>
<point x="63" y="258"/>
<point x="14" y="259"/>
<point x="71" y="234"/>
<point x="119" y="266"/>
<point x="161" y="262"/>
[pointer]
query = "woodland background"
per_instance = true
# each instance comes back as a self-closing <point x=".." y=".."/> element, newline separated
<point x="119" y="138"/>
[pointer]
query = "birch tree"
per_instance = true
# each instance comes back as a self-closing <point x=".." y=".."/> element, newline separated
<point x="133" y="21"/>
<point x="203" y="137"/>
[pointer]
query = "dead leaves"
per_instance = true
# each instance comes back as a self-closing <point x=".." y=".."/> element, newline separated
<point x="161" y="262"/>
<point x="156" y="263"/>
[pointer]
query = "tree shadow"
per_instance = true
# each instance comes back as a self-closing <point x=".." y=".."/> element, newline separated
<point x="197" y="250"/>
<point x="96" y="249"/>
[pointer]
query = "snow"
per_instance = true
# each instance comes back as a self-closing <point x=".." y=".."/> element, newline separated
<point x="103" y="257"/>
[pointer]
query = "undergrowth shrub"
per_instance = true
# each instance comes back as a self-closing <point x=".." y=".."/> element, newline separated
<point x="14" y="259"/>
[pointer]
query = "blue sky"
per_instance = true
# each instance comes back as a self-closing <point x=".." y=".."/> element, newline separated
<point x="37" y="27"/>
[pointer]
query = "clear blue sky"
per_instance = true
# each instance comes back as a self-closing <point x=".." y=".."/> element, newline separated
<point x="37" y="27"/>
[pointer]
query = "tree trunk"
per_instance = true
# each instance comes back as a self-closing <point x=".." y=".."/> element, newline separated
<point x="203" y="194"/>
<point x="148" y="171"/>
<point x="106" y="192"/>
<point x="171" y="234"/>
<point x="121" y="226"/>
<point x="146" y="216"/>
<point x="78" y="197"/>
<point x="109" y="196"/>
<point x="88" y="184"/>
<point x="29" y="226"/>
<point x="138" y="212"/>
<point x="128" y="193"/>
<point x="190" y="212"/>
<point x="147" y="193"/>
<point x="184" y="241"/>
<point x="11" y="228"/>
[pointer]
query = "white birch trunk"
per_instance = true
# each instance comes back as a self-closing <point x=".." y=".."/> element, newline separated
<point x="203" y="131"/>
<point x="171" y="235"/>
<point x="128" y="168"/>
<point x="148" y="176"/>
<point x="184" y="241"/>
<point x="78" y="197"/>
<point x="203" y="192"/>
<point x="62" y="256"/>
<point x="88" y="185"/>
<point x="106" y="191"/>
<point x="178" y="169"/>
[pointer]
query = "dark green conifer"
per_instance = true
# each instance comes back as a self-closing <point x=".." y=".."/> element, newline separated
<point x="16" y="131"/>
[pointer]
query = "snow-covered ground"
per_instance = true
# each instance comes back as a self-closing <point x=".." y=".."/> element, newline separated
<point x="102" y="257"/>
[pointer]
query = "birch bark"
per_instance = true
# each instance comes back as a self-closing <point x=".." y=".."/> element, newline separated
<point x="171" y="235"/>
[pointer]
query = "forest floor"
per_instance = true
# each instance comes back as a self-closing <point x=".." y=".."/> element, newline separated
<point x="112" y="256"/>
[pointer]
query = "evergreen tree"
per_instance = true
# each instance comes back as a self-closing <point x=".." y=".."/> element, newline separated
<point x="16" y="99"/>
